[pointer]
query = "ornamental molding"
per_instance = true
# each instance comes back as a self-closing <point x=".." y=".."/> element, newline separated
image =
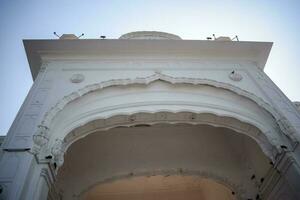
<point x="40" y="138"/>
<point x="238" y="188"/>
<point x="289" y="117"/>
<point x="57" y="151"/>
<point x="269" y="145"/>
<point x="268" y="87"/>
<point x="50" y="180"/>
<point x="47" y="176"/>
<point x="265" y="140"/>
<point x="158" y="76"/>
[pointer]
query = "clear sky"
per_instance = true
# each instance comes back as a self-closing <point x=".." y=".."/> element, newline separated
<point x="277" y="21"/>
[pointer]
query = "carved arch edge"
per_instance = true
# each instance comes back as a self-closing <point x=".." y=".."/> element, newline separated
<point x="167" y="117"/>
<point x="283" y="123"/>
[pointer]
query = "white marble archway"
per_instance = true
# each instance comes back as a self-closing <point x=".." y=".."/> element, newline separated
<point x="60" y="105"/>
<point x="153" y="102"/>
<point x="113" y="106"/>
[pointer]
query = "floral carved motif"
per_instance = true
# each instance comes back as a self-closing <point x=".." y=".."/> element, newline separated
<point x="40" y="139"/>
<point x="57" y="151"/>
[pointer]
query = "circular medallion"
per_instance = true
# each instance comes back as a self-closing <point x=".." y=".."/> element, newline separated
<point x="77" y="78"/>
<point x="235" y="76"/>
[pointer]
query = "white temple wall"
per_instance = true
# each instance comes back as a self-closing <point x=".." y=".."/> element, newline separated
<point x="56" y="86"/>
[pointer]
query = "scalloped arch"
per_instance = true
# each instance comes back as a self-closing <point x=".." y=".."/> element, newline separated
<point x="166" y="117"/>
<point x="50" y="115"/>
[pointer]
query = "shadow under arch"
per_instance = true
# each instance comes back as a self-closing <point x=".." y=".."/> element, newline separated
<point x="241" y="190"/>
<point x="236" y="190"/>
<point x="164" y="117"/>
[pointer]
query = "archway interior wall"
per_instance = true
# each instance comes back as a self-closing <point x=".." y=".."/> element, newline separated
<point x="201" y="150"/>
<point x="158" y="187"/>
<point x="160" y="96"/>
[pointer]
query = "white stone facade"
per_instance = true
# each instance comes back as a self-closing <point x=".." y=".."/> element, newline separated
<point x="84" y="88"/>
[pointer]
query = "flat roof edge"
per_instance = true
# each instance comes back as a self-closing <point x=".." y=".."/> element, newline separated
<point x="259" y="50"/>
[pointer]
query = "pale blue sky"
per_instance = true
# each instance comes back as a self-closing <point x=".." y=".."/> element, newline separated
<point x="255" y="20"/>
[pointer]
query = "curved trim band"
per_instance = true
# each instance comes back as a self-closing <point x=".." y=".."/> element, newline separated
<point x="50" y="115"/>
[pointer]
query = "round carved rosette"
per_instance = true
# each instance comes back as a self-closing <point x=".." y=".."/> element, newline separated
<point x="235" y="76"/>
<point x="77" y="78"/>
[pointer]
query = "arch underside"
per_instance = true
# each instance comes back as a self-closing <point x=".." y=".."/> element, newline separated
<point x="177" y="187"/>
<point x="167" y="150"/>
<point x="164" y="117"/>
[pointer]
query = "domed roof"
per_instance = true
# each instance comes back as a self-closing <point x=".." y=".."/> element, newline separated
<point x="68" y="37"/>
<point x="150" y="35"/>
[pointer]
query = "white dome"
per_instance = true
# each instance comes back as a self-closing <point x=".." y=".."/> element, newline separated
<point x="150" y="35"/>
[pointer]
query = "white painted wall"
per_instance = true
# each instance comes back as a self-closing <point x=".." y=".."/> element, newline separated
<point x="75" y="75"/>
